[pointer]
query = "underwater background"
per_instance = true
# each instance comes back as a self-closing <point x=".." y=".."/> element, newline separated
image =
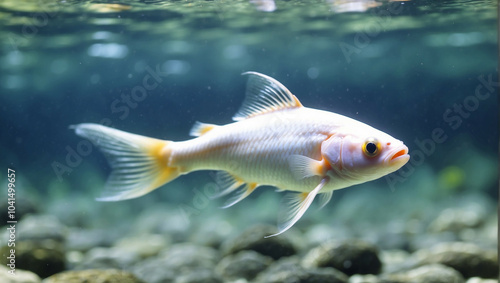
<point x="425" y="72"/>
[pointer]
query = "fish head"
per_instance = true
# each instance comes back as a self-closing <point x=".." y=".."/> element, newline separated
<point x="364" y="155"/>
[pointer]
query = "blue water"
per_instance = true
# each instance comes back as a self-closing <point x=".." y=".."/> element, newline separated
<point x="425" y="72"/>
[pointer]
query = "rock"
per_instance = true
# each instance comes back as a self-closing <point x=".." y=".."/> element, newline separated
<point x="350" y="257"/>
<point x="481" y="280"/>
<point x="44" y="258"/>
<point x="211" y="232"/>
<point x="41" y="227"/>
<point x="144" y="245"/>
<point x="162" y="220"/>
<point x="84" y="240"/>
<point x="94" y="276"/>
<point x="245" y="264"/>
<point x="467" y="258"/>
<point x="393" y="260"/>
<point x="199" y="276"/>
<point x="367" y="278"/>
<point x="107" y="258"/>
<point x="289" y="270"/>
<point x="253" y="239"/>
<point x="21" y="276"/>
<point x="457" y="219"/>
<point x="434" y="273"/>
<point x="426" y="240"/>
<point x="320" y="233"/>
<point x="178" y="260"/>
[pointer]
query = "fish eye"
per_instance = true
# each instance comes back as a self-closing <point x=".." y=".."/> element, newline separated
<point x="371" y="147"/>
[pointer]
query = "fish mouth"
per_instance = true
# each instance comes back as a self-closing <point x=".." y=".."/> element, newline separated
<point x="399" y="156"/>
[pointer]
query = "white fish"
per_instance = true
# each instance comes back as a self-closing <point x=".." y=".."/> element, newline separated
<point x="275" y="141"/>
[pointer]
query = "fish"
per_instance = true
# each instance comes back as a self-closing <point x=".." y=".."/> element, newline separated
<point x="273" y="141"/>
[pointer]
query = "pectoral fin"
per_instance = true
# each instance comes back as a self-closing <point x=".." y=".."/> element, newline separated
<point x="295" y="206"/>
<point x="303" y="166"/>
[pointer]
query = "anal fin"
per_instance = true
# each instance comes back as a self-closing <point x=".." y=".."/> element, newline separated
<point x="296" y="206"/>
<point x="230" y="184"/>
<point x="324" y="198"/>
<point x="240" y="194"/>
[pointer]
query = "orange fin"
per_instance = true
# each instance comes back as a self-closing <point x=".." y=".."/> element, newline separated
<point x="226" y="183"/>
<point x="240" y="194"/>
<point x="140" y="164"/>
<point x="200" y="129"/>
<point x="263" y="95"/>
<point x="303" y="166"/>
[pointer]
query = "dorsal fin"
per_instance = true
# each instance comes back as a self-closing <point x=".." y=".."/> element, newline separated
<point x="264" y="94"/>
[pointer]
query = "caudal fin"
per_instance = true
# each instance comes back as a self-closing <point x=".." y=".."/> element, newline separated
<point x="140" y="164"/>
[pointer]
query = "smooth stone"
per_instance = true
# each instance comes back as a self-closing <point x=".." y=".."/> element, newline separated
<point x="84" y="240"/>
<point x="43" y="258"/>
<point x="144" y="245"/>
<point x="93" y="276"/>
<point x="161" y="220"/>
<point x="365" y="278"/>
<point x="350" y="257"/>
<point x="176" y="261"/>
<point x="245" y="264"/>
<point x="290" y="270"/>
<point x="199" y="276"/>
<point x="40" y="227"/>
<point x="253" y="239"/>
<point x="481" y="280"/>
<point x="393" y="260"/>
<point x="467" y="258"/>
<point x="457" y="219"/>
<point x="20" y="276"/>
<point x="107" y="258"/>
<point x="434" y="273"/>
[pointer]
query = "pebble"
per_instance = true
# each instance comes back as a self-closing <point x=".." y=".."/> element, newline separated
<point x="289" y="270"/>
<point x="457" y="219"/>
<point x="103" y="258"/>
<point x="253" y="239"/>
<point x="434" y="273"/>
<point x="245" y="264"/>
<point x="481" y="280"/>
<point x="199" y="276"/>
<point x="144" y="245"/>
<point x="84" y="240"/>
<point x="41" y="227"/>
<point x="21" y="276"/>
<point x="179" y="260"/>
<point x="94" y="276"/>
<point x="43" y="258"/>
<point x="350" y="257"/>
<point x="467" y="258"/>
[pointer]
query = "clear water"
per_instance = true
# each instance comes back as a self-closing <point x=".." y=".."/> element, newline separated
<point x="426" y="72"/>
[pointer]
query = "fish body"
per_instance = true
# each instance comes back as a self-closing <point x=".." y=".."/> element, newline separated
<point x="275" y="141"/>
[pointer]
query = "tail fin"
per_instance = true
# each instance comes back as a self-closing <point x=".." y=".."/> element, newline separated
<point x="140" y="164"/>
